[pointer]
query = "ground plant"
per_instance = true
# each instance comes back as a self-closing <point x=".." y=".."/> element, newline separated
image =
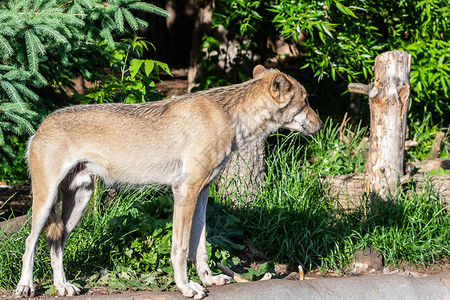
<point x="125" y="237"/>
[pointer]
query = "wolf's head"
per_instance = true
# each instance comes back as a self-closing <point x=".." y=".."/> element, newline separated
<point x="294" y="112"/>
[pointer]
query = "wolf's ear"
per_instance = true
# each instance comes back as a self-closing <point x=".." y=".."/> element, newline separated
<point x="279" y="86"/>
<point x="258" y="71"/>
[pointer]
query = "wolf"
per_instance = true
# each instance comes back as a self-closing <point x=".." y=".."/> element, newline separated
<point x="182" y="142"/>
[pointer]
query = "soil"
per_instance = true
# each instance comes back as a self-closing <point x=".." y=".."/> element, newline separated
<point x="14" y="200"/>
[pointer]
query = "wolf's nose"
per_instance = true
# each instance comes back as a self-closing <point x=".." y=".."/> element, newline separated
<point x="320" y="125"/>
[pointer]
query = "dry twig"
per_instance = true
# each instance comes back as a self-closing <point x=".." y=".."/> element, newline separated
<point x="236" y="277"/>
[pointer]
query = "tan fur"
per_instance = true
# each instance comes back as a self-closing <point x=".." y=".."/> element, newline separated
<point x="183" y="142"/>
<point x="54" y="227"/>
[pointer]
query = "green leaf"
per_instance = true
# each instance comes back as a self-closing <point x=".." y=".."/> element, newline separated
<point x="345" y="10"/>
<point x="163" y="66"/>
<point x="148" y="67"/>
<point x="115" y="57"/>
<point x="135" y="65"/>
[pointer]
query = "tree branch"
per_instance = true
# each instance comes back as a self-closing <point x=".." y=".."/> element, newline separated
<point x="359" y="88"/>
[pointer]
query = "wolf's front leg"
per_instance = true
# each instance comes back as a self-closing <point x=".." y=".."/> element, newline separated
<point x="197" y="246"/>
<point x="185" y="201"/>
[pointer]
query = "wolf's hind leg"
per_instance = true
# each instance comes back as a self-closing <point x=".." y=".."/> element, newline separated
<point x="39" y="218"/>
<point x="197" y="252"/>
<point x="76" y="193"/>
<point x="43" y="201"/>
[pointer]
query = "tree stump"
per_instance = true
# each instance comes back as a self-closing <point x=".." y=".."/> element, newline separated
<point x="388" y="102"/>
<point x="243" y="175"/>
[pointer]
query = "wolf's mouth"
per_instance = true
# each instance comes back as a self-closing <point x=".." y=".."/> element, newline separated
<point x="308" y="130"/>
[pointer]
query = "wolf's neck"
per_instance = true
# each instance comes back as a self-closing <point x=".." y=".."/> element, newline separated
<point x="250" y="107"/>
<point x="253" y="124"/>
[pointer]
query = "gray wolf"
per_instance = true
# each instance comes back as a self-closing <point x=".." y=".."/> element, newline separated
<point x="182" y="142"/>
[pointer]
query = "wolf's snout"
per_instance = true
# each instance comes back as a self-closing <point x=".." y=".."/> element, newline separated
<point x="320" y="125"/>
<point x="315" y="123"/>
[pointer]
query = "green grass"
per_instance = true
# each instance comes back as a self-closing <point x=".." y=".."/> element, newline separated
<point x="424" y="132"/>
<point x="292" y="220"/>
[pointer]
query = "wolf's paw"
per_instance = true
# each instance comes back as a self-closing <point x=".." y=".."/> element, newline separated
<point x="67" y="289"/>
<point x="24" y="290"/>
<point x="195" y="290"/>
<point x="217" y="280"/>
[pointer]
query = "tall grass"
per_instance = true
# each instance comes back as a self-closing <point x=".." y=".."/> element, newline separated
<point x="291" y="220"/>
<point x="89" y="247"/>
<point x="424" y="132"/>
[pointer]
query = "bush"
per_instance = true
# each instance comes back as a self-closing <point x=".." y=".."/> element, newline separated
<point x="339" y="40"/>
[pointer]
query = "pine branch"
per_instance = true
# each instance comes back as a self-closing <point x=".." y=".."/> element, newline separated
<point x="14" y="120"/>
<point x="7" y="31"/>
<point x="39" y="80"/>
<point x="12" y="93"/>
<point x="147" y="7"/>
<point x="85" y="3"/>
<point x="5" y="48"/>
<point x="25" y="91"/>
<point x="34" y="48"/>
<point x="142" y="23"/>
<point x="6" y="68"/>
<point x="77" y="10"/>
<point x="15" y="75"/>
<point x="52" y="33"/>
<point x="131" y="20"/>
<point x="119" y="21"/>
<point x="22" y="125"/>
<point x="106" y="34"/>
<point x="37" y="4"/>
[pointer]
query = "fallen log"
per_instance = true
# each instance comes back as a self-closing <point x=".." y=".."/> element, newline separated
<point x="349" y="189"/>
<point x="436" y="147"/>
<point x="430" y="165"/>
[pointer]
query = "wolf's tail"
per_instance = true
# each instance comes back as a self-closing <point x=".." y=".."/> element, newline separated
<point x="54" y="227"/>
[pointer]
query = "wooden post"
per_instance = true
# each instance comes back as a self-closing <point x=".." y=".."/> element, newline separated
<point x="388" y="102"/>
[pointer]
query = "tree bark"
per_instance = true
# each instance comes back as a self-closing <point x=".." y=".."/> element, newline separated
<point x="202" y="26"/>
<point x="348" y="190"/>
<point x="243" y="175"/>
<point x="388" y="102"/>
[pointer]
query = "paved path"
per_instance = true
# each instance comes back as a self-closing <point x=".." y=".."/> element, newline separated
<point x="392" y="287"/>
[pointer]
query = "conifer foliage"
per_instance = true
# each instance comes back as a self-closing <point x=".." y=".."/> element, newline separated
<point x="48" y="43"/>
